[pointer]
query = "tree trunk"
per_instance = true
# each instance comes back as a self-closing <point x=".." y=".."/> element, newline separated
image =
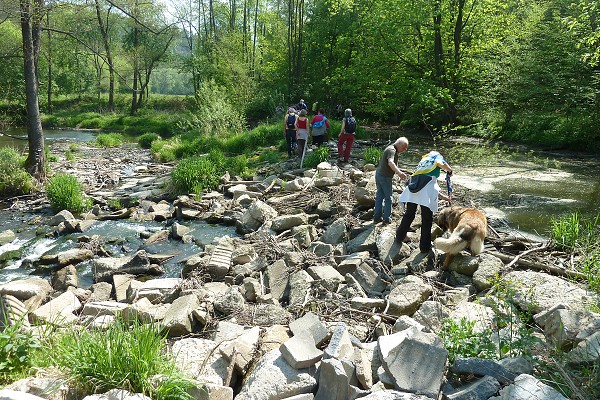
<point x="49" y="89"/>
<point x="109" y="60"/>
<point x="31" y="15"/>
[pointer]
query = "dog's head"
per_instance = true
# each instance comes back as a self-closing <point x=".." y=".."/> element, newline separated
<point x="447" y="218"/>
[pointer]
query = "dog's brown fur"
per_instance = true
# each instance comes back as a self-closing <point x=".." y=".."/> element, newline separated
<point x="468" y="228"/>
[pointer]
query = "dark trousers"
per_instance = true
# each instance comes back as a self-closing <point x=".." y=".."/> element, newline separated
<point x="318" y="140"/>
<point x="408" y="218"/>
<point x="290" y="139"/>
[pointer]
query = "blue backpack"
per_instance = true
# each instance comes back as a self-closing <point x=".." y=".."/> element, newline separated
<point x="291" y="121"/>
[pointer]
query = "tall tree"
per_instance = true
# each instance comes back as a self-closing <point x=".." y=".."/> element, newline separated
<point x="32" y="13"/>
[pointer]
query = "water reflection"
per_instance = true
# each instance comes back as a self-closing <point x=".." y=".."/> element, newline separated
<point x="17" y="137"/>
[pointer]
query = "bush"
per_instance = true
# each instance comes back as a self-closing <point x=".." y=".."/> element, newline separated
<point x="14" y="180"/>
<point x="16" y="348"/>
<point x="109" y="139"/>
<point x="315" y="157"/>
<point x="66" y="193"/>
<point x="461" y="340"/>
<point x="195" y="175"/>
<point x="372" y="155"/>
<point x="122" y="357"/>
<point x="145" y="141"/>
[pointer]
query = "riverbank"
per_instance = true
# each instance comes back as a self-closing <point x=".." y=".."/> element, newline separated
<point x="309" y="297"/>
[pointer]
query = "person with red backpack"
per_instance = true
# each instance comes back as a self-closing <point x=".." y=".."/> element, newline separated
<point x="289" y="131"/>
<point x="347" y="134"/>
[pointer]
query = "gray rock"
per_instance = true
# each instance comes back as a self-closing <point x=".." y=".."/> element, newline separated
<point x="304" y="234"/>
<point x="300" y="351"/>
<point x="278" y="277"/>
<point x="300" y="284"/>
<point x="417" y="363"/>
<point x="587" y="351"/>
<point x="408" y="296"/>
<point x="365" y="241"/>
<point x="562" y="326"/>
<point x="201" y="359"/>
<point x="340" y="344"/>
<point x="58" y="311"/>
<point x="320" y="249"/>
<point x="65" y="278"/>
<point x="61" y="216"/>
<point x="101" y="308"/>
<point x="334" y="383"/>
<point x="483" y="388"/>
<point x="481" y="367"/>
<point x="7" y="394"/>
<point x="538" y="291"/>
<point x="274" y="378"/>
<point x="138" y="264"/>
<point x="179" y="317"/>
<point x="311" y="324"/>
<point x="431" y="314"/>
<point x="327" y="275"/>
<point x="369" y="279"/>
<point x="229" y="302"/>
<point x="335" y="233"/>
<point x="526" y="387"/>
<point x="489" y="268"/>
<point x="286" y="222"/>
<point x="25" y="289"/>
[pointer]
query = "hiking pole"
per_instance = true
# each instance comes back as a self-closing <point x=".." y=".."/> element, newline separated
<point x="303" y="152"/>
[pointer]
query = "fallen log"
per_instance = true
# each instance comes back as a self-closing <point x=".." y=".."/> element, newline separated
<point x="539" y="267"/>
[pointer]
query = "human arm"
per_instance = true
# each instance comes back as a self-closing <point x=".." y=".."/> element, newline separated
<point x="343" y="126"/>
<point x="395" y="168"/>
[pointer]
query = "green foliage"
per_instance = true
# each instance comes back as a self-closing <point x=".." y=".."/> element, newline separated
<point x="462" y="340"/>
<point x="122" y="356"/>
<point x="316" y="156"/>
<point x="69" y="156"/>
<point x="109" y="139"/>
<point x="372" y="155"/>
<point x="163" y="150"/>
<point x="14" y="180"/>
<point x="580" y="236"/>
<point x="145" y="141"/>
<point x="215" y="114"/>
<point x="66" y="193"/>
<point x="269" y="156"/>
<point x="195" y="175"/>
<point x="17" y="344"/>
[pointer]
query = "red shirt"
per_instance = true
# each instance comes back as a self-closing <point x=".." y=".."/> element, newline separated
<point x="302" y="123"/>
<point x="319" y="117"/>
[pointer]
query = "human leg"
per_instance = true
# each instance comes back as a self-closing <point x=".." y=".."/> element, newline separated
<point x="318" y="140"/>
<point x="381" y="183"/>
<point x="426" y="223"/>
<point x="340" y="146"/>
<point x="407" y="219"/>
<point x="349" y="141"/>
<point x="288" y="140"/>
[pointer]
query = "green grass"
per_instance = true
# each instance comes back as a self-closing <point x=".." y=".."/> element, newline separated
<point x="66" y="193"/>
<point x="110" y="139"/>
<point x="14" y="180"/>
<point x="316" y="157"/>
<point x="371" y="155"/>
<point x="122" y="356"/>
<point x="461" y="340"/>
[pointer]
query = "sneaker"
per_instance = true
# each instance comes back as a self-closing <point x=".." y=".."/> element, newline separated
<point x="387" y="222"/>
<point x="377" y="220"/>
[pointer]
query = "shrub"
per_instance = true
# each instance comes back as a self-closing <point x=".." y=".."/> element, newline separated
<point x="109" y="139"/>
<point x="123" y="357"/>
<point x="371" y="155"/>
<point x="315" y="157"/>
<point x="16" y="348"/>
<point x="145" y="141"/>
<point x="66" y="193"/>
<point x="14" y="180"/>
<point x="461" y="340"/>
<point x="195" y="175"/>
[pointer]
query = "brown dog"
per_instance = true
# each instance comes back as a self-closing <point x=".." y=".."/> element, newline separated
<point x="468" y="228"/>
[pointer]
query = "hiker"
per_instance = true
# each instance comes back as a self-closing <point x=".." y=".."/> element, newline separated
<point x="319" y="125"/>
<point x="289" y="130"/>
<point x="386" y="169"/>
<point x="347" y="134"/>
<point x="301" y="132"/>
<point x="301" y="105"/>
<point x="423" y="190"/>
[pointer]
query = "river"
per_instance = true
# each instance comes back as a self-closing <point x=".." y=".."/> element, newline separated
<point x="522" y="188"/>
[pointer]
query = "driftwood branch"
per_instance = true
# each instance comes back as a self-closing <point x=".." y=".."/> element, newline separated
<point x="539" y="267"/>
<point x="532" y="250"/>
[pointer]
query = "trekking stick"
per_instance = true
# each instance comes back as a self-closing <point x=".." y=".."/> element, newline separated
<point x="303" y="152"/>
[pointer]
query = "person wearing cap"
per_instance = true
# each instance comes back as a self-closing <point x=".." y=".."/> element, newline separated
<point x="289" y="130"/>
<point x="301" y="132"/>
<point x="386" y="169"/>
<point x="346" y="136"/>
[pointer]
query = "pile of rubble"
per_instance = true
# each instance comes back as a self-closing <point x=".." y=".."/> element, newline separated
<point x="311" y="301"/>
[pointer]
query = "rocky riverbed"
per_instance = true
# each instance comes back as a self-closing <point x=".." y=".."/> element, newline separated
<point x="307" y="300"/>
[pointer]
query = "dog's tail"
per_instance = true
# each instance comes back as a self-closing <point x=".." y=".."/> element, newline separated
<point x="452" y="245"/>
